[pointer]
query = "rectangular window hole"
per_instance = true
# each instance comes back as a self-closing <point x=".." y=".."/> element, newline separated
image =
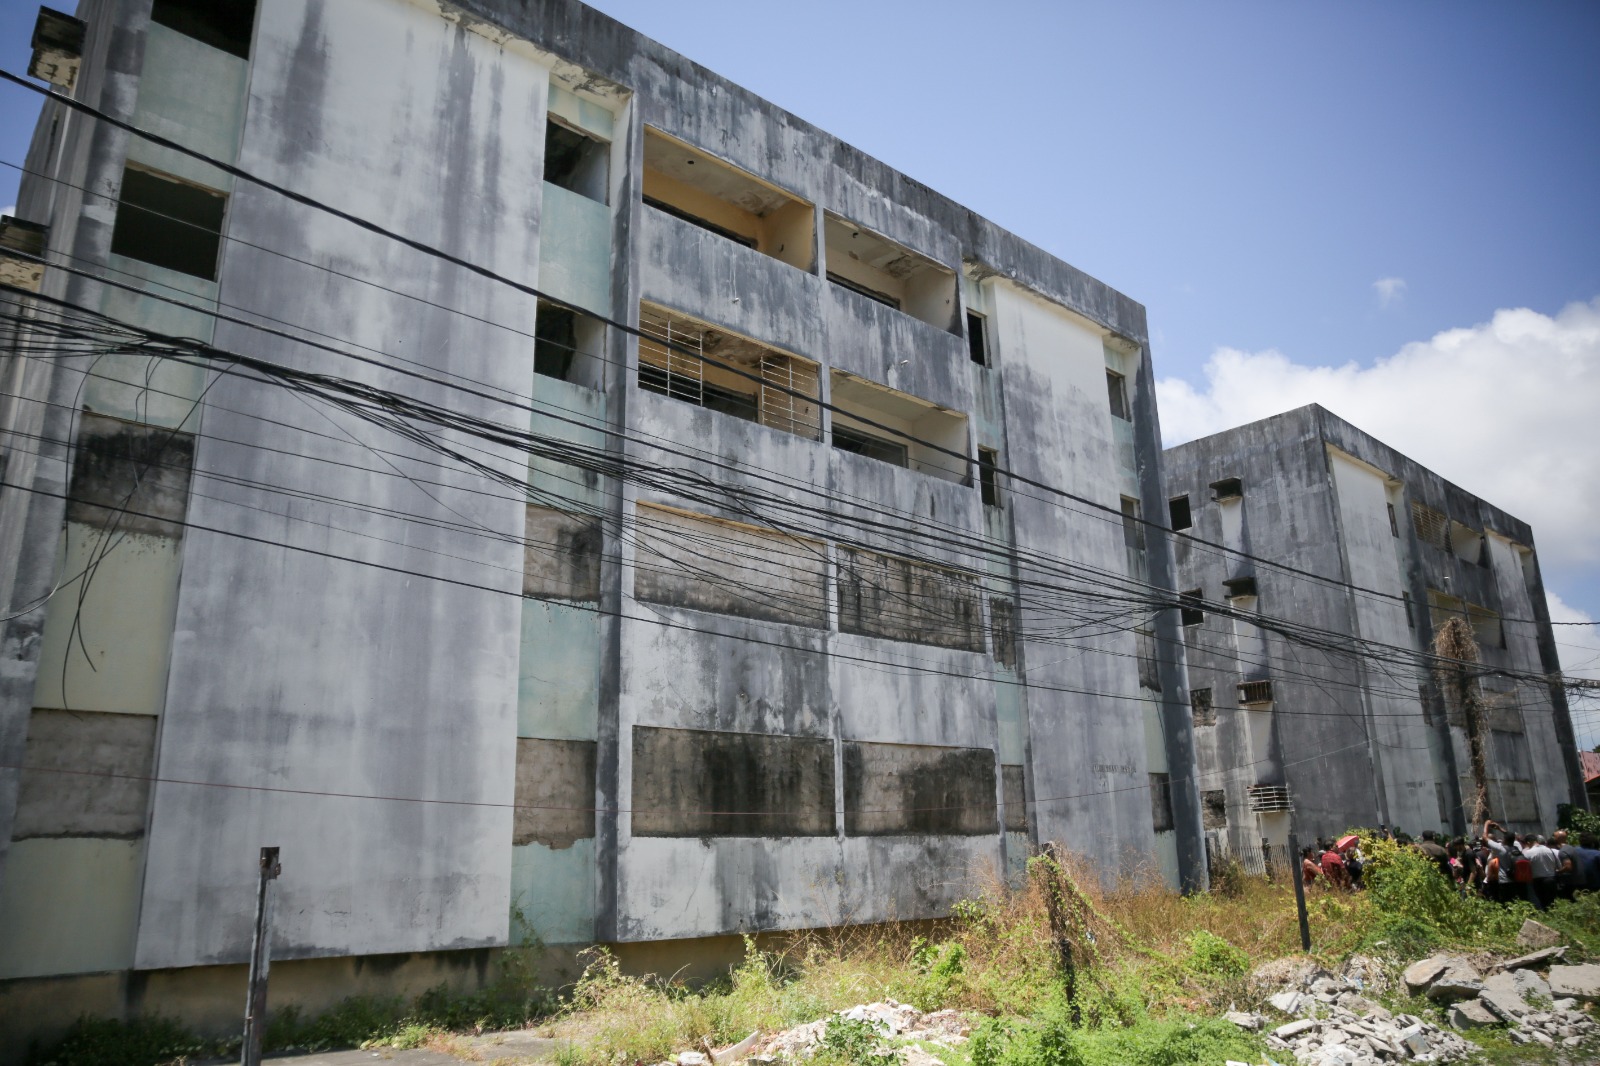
<point x="576" y="161"/>
<point x="168" y="223"/>
<point x="569" y="345"/>
<point x="1117" y="392"/>
<point x="977" y="339"/>
<point x="1201" y="707"/>
<point x="1191" y="611"/>
<point x="1229" y="488"/>
<point x="223" y="24"/>
<point x="988" y="476"/>
<point x="1178" y="512"/>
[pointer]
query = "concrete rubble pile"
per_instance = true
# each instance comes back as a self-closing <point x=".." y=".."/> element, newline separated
<point x="1535" y="1008"/>
<point x="892" y="1021"/>
<point x="1337" y="1026"/>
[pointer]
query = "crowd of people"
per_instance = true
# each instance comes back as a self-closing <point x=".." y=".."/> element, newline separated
<point x="1498" y="864"/>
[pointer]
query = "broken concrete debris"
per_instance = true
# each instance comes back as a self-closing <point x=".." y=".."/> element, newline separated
<point x="891" y="1020"/>
<point x="1338" y="1027"/>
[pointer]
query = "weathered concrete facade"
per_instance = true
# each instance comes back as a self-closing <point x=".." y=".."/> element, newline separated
<point x="597" y="710"/>
<point x="1382" y="550"/>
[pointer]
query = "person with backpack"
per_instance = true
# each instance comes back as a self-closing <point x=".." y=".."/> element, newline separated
<point x="1543" y="862"/>
<point x="1502" y="887"/>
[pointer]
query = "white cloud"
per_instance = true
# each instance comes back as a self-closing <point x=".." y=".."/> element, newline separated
<point x="1579" y="648"/>
<point x="12" y="210"/>
<point x="1507" y="409"/>
<point x="1390" y="290"/>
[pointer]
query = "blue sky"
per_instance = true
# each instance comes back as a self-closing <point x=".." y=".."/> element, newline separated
<point x="1301" y="185"/>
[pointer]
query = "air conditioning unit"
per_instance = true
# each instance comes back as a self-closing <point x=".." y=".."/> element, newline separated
<point x="1255" y="693"/>
<point x="1269" y="799"/>
<point x="22" y="253"/>
<point x="57" y="48"/>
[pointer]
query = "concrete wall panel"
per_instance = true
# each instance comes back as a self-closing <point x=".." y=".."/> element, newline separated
<point x="694" y="783"/>
<point x="908" y="788"/>
<point x="86" y="775"/>
<point x="68" y="905"/>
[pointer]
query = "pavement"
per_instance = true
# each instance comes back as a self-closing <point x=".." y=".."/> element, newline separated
<point x="491" y="1047"/>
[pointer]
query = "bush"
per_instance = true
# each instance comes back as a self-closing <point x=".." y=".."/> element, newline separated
<point x="1401" y="938"/>
<point x="144" y="1041"/>
<point x="1048" y="1041"/>
<point x="1210" y="954"/>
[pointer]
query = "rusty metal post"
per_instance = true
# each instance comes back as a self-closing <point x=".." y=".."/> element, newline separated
<point x="255" y="1006"/>
<point x="1299" y="893"/>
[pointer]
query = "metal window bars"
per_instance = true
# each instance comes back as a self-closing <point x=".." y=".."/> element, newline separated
<point x="781" y="378"/>
<point x="1269" y="799"/>
<point x="663" y="366"/>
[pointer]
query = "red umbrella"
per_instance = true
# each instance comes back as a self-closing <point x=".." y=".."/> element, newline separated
<point x="1346" y="842"/>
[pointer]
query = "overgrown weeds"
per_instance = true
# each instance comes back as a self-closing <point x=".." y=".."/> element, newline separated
<point x="1066" y="971"/>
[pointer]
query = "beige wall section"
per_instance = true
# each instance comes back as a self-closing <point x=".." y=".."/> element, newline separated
<point x="125" y="623"/>
<point x="68" y="905"/>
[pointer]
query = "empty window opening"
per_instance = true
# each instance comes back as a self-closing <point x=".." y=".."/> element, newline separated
<point x="576" y="161"/>
<point x="1411" y="617"/>
<point x="1201" y="707"/>
<point x="1214" y="809"/>
<point x="1394" y="522"/>
<point x="1149" y="667"/>
<point x="890" y="273"/>
<point x="718" y="197"/>
<point x="569" y="345"/>
<point x="1117" y="391"/>
<point x="1466" y="543"/>
<point x="771" y="387"/>
<point x="868" y="415"/>
<point x="977" y="340"/>
<point x="168" y="223"/>
<point x="223" y="24"/>
<point x="1190" y="610"/>
<point x="1178" y="511"/>
<point x="1229" y="488"/>
<point x="1133" y="537"/>
<point x="989" y="476"/>
<point x="1161" y="802"/>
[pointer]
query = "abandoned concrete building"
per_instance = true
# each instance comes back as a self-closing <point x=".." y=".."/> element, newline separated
<point x="1333" y="529"/>
<point x="477" y="697"/>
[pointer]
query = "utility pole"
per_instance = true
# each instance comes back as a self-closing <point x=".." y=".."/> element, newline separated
<point x="255" y="1006"/>
<point x="1299" y="893"/>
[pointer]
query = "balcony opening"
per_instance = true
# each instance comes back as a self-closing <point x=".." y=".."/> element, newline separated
<point x="867" y="414"/>
<point x="168" y="223"/>
<point x="989" y="476"/>
<point x="891" y="274"/>
<point x="1178" y="512"/>
<point x="1466" y="543"/>
<point x="576" y="161"/>
<point x="569" y="345"/>
<point x="773" y="388"/>
<point x="225" y="25"/>
<point x="1190" y="608"/>
<point x="1117" y="392"/>
<point x="705" y="191"/>
<point x="977" y="339"/>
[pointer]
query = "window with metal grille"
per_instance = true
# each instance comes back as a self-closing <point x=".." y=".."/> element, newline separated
<point x="1432" y="527"/>
<point x="1255" y="693"/>
<point x="1269" y="799"/>
<point x="742" y="377"/>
